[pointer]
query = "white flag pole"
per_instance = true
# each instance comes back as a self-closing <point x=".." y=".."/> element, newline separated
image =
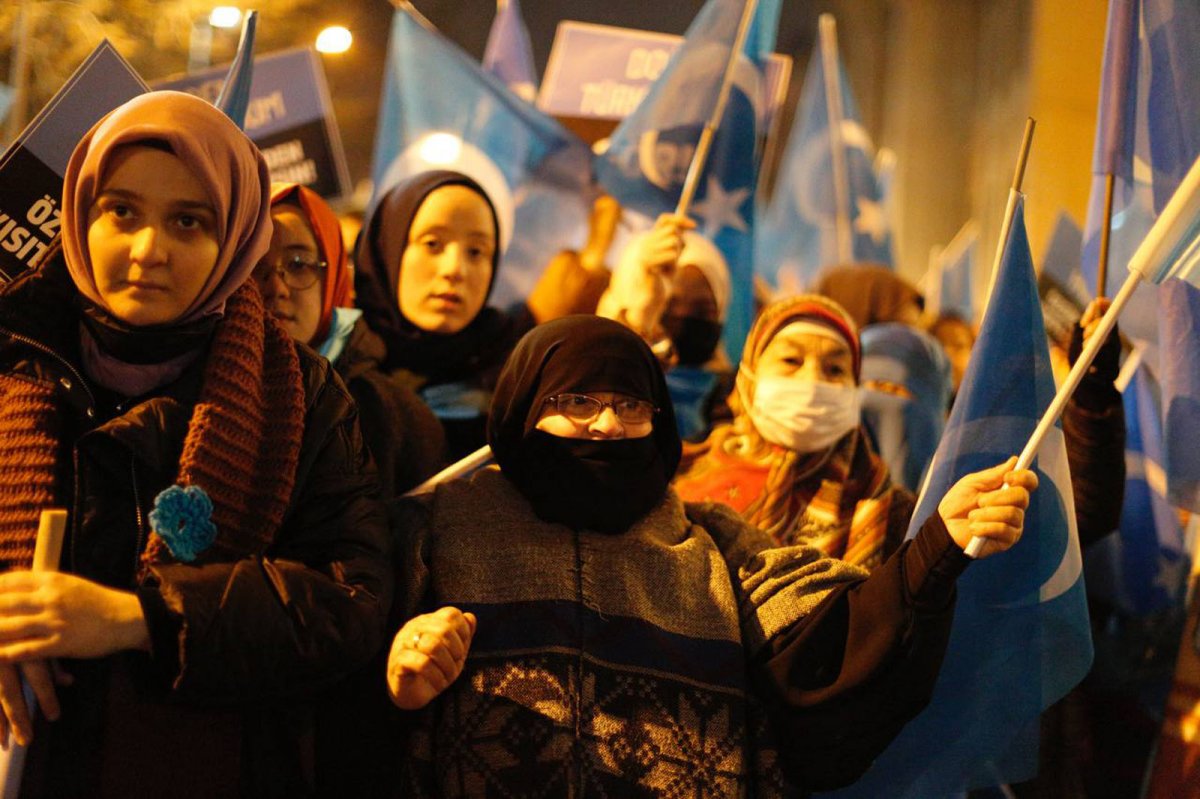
<point x="827" y="30"/>
<point x="700" y="157"/>
<point x="47" y="552"/>
<point x="476" y="459"/>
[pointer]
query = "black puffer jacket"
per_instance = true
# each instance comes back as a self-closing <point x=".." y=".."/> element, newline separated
<point x="405" y="438"/>
<point x="221" y="706"/>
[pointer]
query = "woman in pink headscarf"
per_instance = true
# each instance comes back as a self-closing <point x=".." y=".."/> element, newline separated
<point x="225" y="552"/>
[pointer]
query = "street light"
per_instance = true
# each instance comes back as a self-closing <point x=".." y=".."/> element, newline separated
<point x="225" y="17"/>
<point x="334" y="39"/>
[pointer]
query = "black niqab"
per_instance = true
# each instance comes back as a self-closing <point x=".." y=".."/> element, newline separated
<point x="585" y="484"/>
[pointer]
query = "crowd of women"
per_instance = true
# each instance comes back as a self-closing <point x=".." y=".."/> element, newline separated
<point x="249" y="604"/>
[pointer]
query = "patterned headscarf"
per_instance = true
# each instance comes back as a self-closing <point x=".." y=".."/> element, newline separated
<point x="840" y="500"/>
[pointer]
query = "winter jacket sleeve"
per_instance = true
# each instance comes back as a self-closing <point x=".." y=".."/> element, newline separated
<point x="842" y="660"/>
<point x="312" y="609"/>
<point x="1094" y="429"/>
<point x="405" y="438"/>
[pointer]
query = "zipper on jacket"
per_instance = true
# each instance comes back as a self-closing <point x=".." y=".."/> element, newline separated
<point x="91" y="411"/>
<point x="76" y="525"/>
<point x="141" y="523"/>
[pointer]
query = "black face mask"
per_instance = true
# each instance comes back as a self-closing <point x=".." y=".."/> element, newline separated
<point x="586" y="484"/>
<point x="694" y="338"/>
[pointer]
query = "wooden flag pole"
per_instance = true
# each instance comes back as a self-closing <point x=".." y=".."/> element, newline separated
<point x="700" y="157"/>
<point x="827" y="28"/>
<point x="1105" y="233"/>
<point x="1010" y="208"/>
<point x="1094" y="343"/>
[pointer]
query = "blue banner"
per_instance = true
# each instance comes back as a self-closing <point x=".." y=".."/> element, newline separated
<point x="288" y="114"/>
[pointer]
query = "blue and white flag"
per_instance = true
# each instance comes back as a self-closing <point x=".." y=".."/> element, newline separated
<point x="650" y="152"/>
<point x="440" y="110"/>
<point x="797" y="235"/>
<point x="956" y="265"/>
<point x="1062" y="261"/>
<point x="235" y="94"/>
<point x="1060" y="281"/>
<point x="1143" y="568"/>
<point x="1020" y="638"/>
<point x="509" y="53"/>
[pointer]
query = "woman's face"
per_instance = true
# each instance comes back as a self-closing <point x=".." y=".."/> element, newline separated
<point x="606" y="425"/>
<point x="290" y="275"/>
<point x="447" y="266"/>
<point x="152" y="237"/>
<point x="807" y="356"/>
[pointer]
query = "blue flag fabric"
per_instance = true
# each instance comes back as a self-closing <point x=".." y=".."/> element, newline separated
<point x="1062" y="261"/>
<point x="234" y="98"/>
<point x="797" y="235"/>
<point x="957" y="293"/>
<point x="1020" y="638"/>
<point x="1143" y="569"/>
<point x="509" y="53"/>
<point x="649" y="153"/>
<point x="440" y="110"/>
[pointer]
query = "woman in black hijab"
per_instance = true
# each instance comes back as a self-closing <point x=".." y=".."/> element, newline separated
<point x="425" y="266"/>
<point x="594" y="634"/>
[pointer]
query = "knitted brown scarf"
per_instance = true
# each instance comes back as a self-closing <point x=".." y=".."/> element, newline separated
<point x="243" y="442"/>
<point x="28" y="456"/>
<point x="242" y="445"/>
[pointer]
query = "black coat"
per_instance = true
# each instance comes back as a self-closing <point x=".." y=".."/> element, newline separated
<point x="404" y="436"/>
<point x="221" y="706"/>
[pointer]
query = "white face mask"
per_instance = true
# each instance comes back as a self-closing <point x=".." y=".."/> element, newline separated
<point x="803" y="415"/>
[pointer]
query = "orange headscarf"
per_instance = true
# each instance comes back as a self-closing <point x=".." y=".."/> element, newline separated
<point x="328" y="232"/>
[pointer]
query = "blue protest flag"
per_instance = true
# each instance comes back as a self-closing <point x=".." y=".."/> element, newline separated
<point x="1179" y="364"/>
<point x="649" y="153"/>
<point x="1113" y="150"/>
<point x="796" y="236"/>
<point x="1062" y="262"/>
<point x="1020" y="638"/>
<point x="957" y="294"/>
<point x="440" y="110"/>
<point x="509" y="53"/>
<point x="234" y="98"/>
<point x="1143" y="568"/>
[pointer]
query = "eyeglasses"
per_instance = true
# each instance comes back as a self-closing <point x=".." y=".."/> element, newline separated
<point x="584" y="409"/>
<point x="297" y="272"/>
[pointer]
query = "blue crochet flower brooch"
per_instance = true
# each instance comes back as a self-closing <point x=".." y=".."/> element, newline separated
<point x="182" y="518"/>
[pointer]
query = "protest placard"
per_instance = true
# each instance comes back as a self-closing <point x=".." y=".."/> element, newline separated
<point x="32" y="168"/>
<point x="290" y="118"/>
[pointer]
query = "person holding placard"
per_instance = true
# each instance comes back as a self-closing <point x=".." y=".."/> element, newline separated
<point x="226" y="553"/>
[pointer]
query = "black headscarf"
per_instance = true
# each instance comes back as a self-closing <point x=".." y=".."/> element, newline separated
<point x="585" y="484"/>
<point x="438" y="357"/>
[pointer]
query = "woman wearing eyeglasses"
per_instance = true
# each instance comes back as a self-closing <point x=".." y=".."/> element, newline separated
<point x="574" y="629"/>
<point x="305" y="281"/>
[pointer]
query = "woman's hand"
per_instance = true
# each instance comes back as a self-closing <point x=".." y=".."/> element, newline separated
<point x="658" y="253"/>
<point x="427" y="655"/>
<point x="52" y="614"/>
<point x="989" y="504"/>
<point x="15" y="718"/>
